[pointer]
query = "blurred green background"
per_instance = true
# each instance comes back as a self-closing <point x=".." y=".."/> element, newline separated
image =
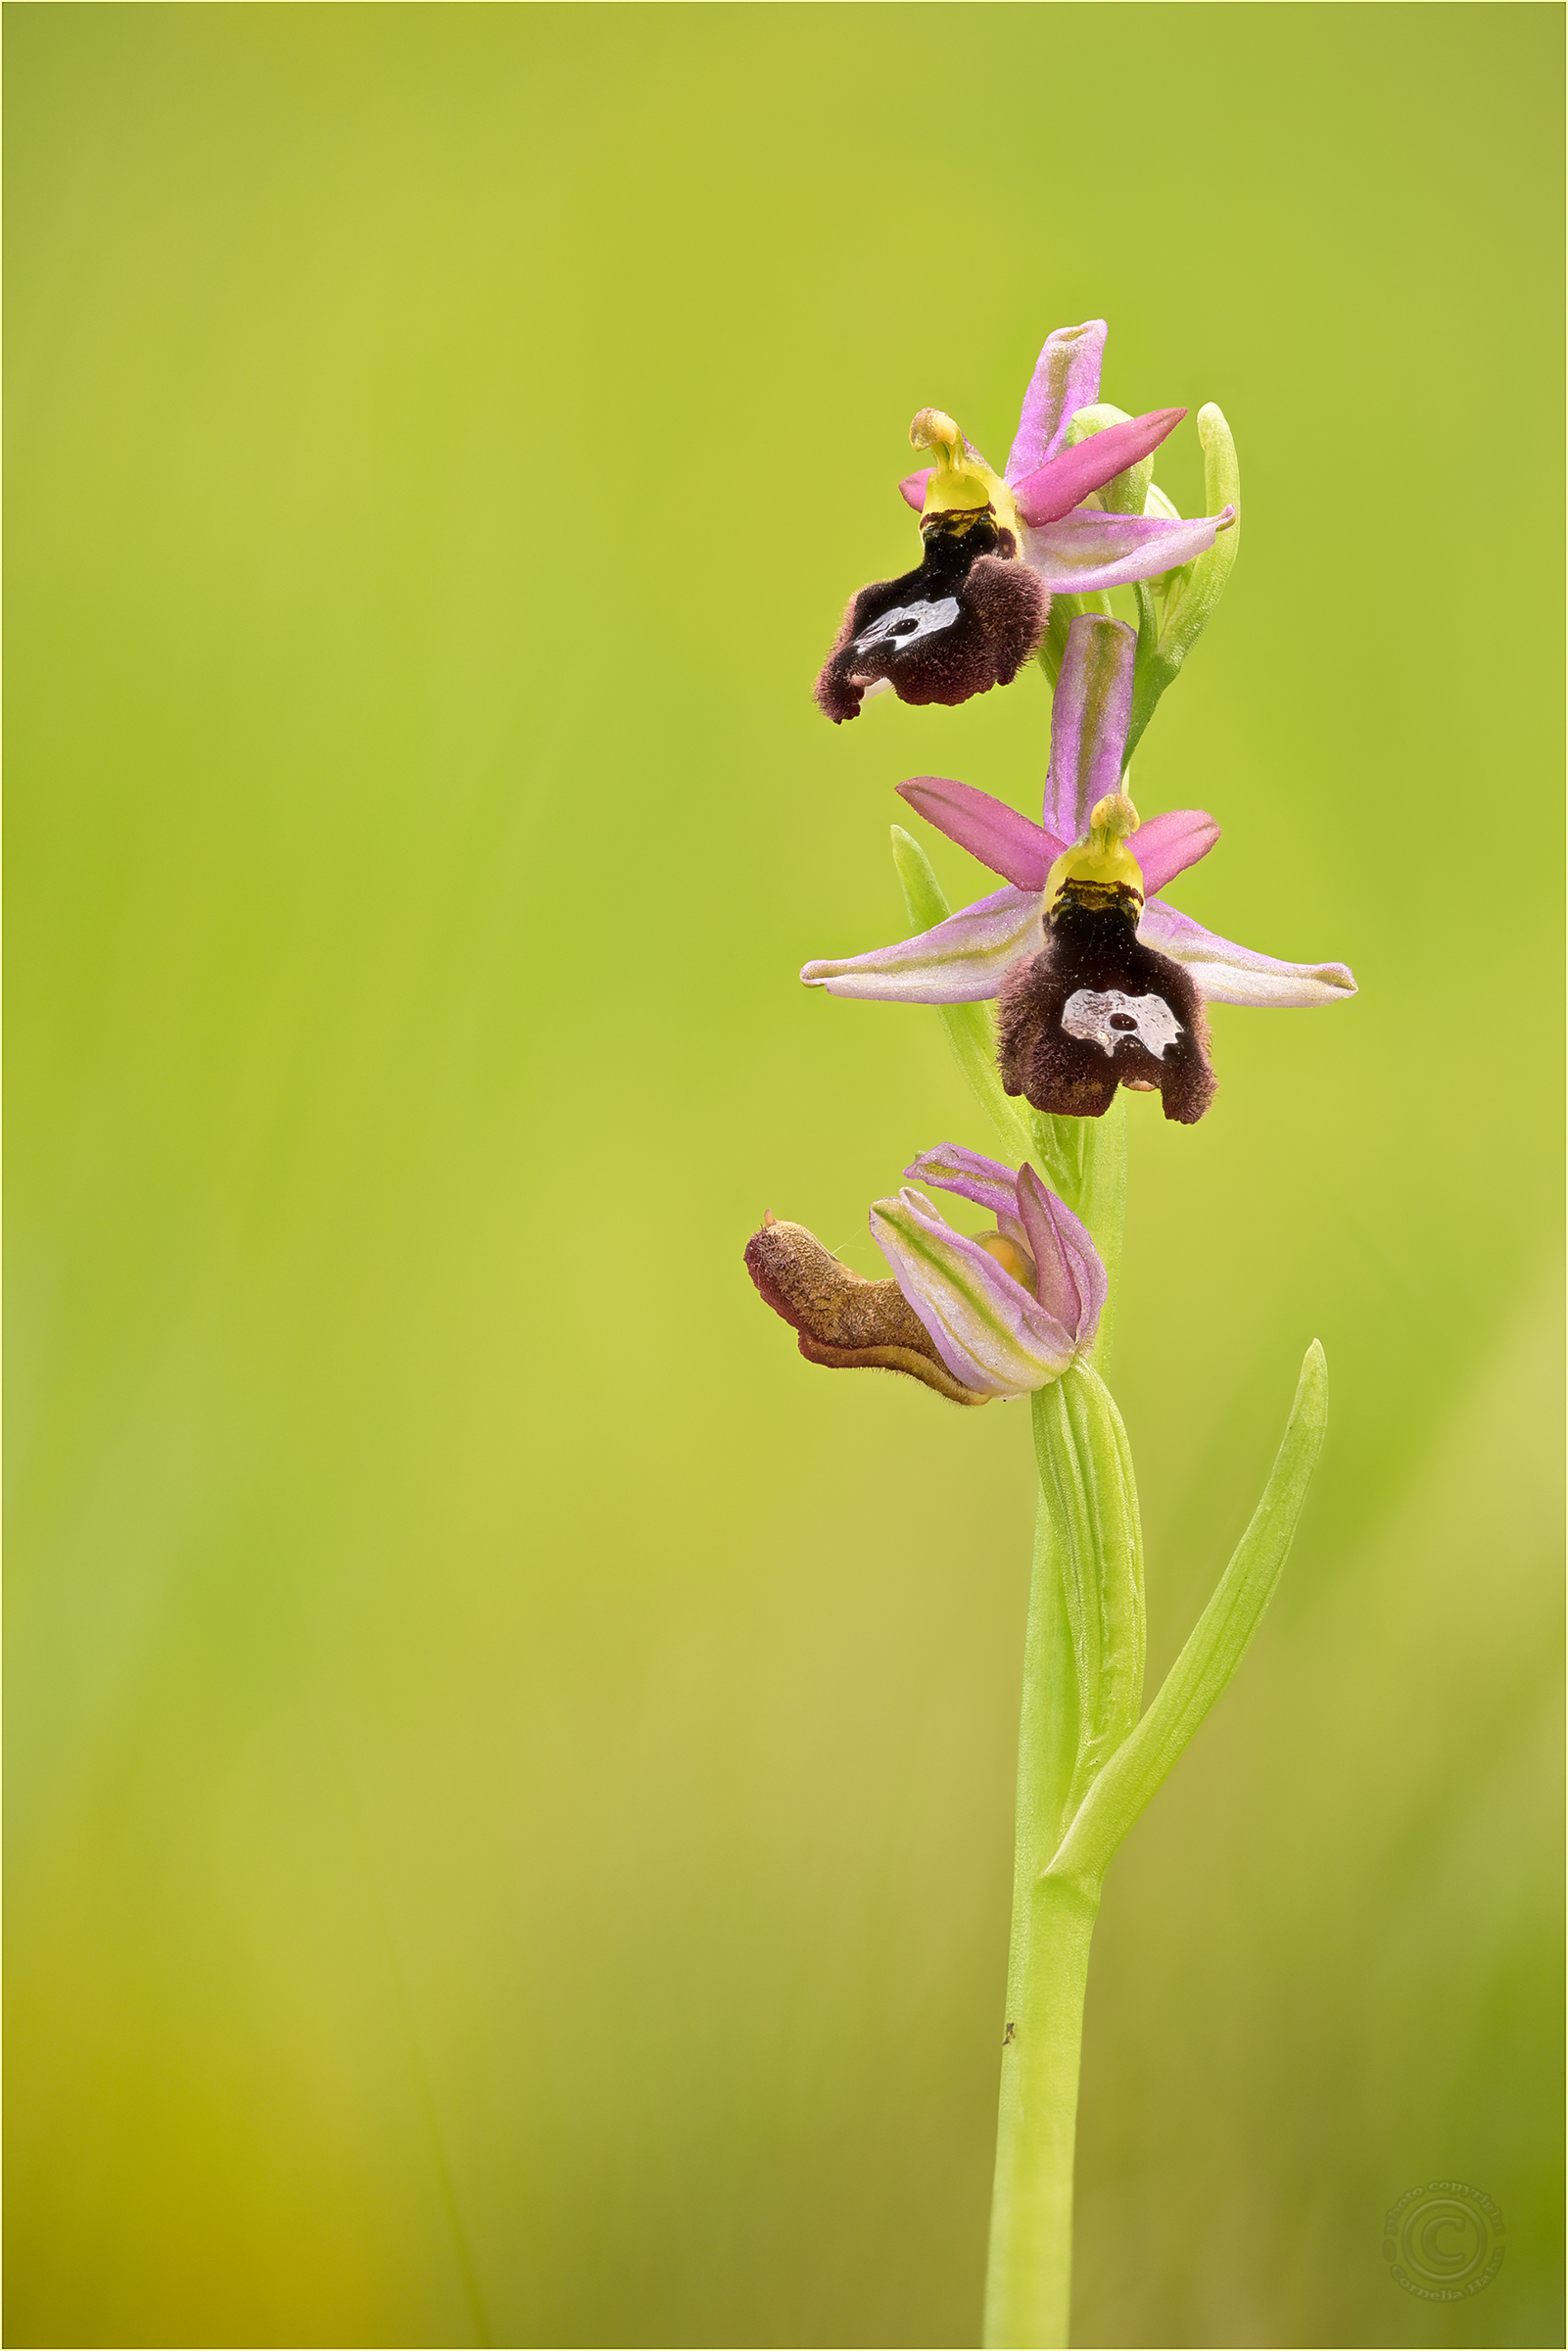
<point x="511" y="1769"/>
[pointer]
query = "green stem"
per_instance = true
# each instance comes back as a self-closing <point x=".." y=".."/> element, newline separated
<point x="1087" y="1517"/>
<point x="1088" y="1765"/>
<point x="1082" y="1683"/>
<point x="1089" y="1156"/>
<point x="1029" y="2281"/>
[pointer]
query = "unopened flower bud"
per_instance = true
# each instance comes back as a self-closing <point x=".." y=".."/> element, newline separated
<point x="1195" y="588"/>
<point x="1188" y="612"/>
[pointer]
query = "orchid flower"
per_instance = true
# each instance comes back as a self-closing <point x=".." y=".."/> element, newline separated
<point x="999" y="1315"/>
<point x="1161" y="966"/>
<point x="996" y="547"/>
<point x="1102" y="985"/>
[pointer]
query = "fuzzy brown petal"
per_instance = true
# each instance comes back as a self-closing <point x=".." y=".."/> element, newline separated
<point x="1072" y="1020"/>
<point x="844" y="1321"/>
<point x="965" y="620"/>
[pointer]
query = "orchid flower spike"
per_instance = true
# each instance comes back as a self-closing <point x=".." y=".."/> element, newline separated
<point x="1102" y="981"/>
<point x="999" y="1315"/>
<point x="996" y="547"/>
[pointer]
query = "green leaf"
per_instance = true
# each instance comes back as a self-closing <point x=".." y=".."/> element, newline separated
<point x="1216" y="1647"/>
<point x="1090" y="1525"/>
<point x="924" y="894"/>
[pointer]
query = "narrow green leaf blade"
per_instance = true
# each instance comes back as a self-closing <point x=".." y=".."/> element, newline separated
<point x="924" y="894"/>
<point x="1216" y="1647"/>
<point x="1090" y="1523"/>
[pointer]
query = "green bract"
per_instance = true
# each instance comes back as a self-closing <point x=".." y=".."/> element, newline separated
<point x="1165" y="637"/>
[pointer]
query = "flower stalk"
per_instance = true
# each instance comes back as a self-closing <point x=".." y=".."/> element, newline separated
<point x="1087" y="1763"/>
<point x="1060" y="993"/>
<point x="1087" y="1766"/>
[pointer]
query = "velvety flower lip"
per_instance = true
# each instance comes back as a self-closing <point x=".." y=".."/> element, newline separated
<point x="1096" y="1007"/>
<point x="998" y="1314"/>
<point x="996" y="546"/>
<point x="965" y="619"/>
<point x="842" y="1320"/>
<point x="999" y="1332"/>
<point x="964" y="959"/>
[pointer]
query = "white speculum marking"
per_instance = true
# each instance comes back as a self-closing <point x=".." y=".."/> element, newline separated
<point x="906" y="624"/>
<point x="1109" y="1019"/>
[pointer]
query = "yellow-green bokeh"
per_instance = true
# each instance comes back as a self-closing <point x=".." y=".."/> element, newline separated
<point x="511" y="1769"/>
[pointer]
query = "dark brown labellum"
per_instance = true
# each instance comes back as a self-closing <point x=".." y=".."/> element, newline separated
<point x="1096" y="1009"/>
<point x="843" y="1320"/>
<point x="967" y="620"/>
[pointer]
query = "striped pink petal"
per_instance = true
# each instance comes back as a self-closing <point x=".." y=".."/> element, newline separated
<point x="1086" y="550"/>
<point x="990" y="1332"/>
<point x="1227" y="973"/>
<point x="1069" y="1279"/>
<point x="1066" y="378"/>
<point x="1089" y="714"/>
<point x="987" y="1182"/>
<point x="961" y="961"/>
